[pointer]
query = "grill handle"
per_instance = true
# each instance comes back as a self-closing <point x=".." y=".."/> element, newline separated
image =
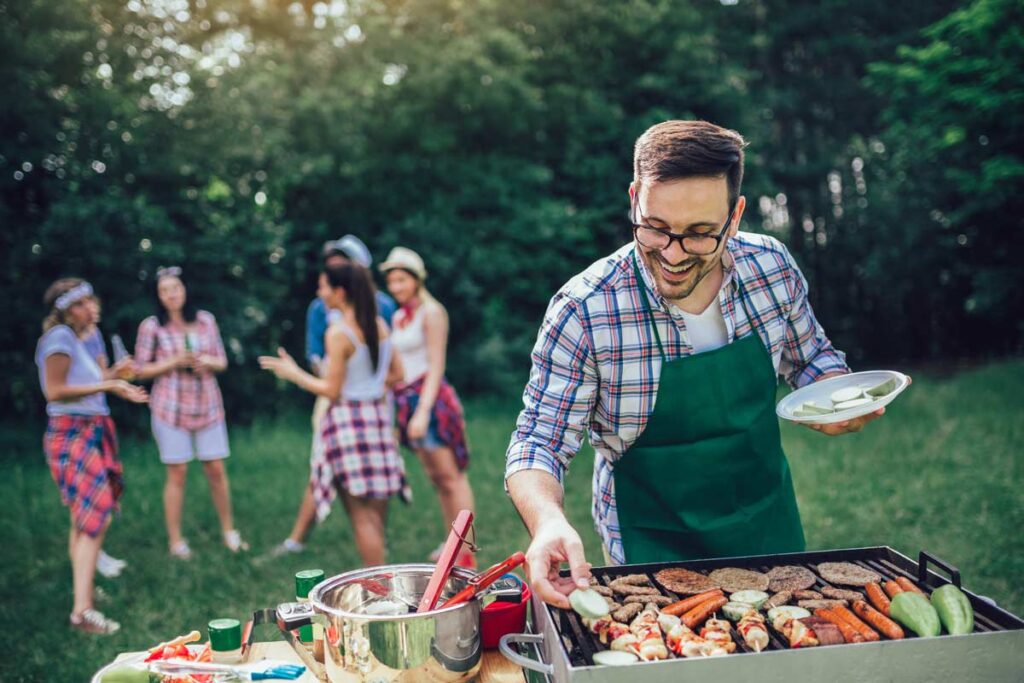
<point x="922" y="568"/>
<point x="516" y="658"/>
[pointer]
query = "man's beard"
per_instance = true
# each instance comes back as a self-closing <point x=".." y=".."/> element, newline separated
<point x="673" y="286"/>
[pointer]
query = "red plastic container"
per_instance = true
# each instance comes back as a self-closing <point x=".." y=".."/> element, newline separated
<point x="500" y="617"/>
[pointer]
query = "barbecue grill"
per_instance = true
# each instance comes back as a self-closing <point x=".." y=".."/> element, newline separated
<point x="561" y="649"/>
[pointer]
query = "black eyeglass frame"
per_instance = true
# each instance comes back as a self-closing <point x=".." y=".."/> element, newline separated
<point x="634" y="210"/>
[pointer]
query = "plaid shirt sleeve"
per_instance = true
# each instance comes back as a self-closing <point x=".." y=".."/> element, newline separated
<point x="145" y="342"/>
<point x="216" y="342"/>
<point x="807" y="352"/>
<point x="559" y="397"/>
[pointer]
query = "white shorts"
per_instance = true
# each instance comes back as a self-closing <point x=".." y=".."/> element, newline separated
<point x="177" y="445"/>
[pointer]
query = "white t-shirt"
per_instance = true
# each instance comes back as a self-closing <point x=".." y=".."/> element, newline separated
<point x="83" y="370"/>
<point x="706" y="331"/>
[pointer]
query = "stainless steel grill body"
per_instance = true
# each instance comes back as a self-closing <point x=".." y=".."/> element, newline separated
<point x="994" y="652"/>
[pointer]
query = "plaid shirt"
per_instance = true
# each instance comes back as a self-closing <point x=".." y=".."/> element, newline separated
<point x="596" y="363"/>
<point x="181" y="398"/>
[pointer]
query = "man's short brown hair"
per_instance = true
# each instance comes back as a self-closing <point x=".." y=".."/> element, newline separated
<point x="690" y="149"/>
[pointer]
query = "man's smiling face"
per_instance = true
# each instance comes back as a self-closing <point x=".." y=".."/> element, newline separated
<point x="685" y="206"/>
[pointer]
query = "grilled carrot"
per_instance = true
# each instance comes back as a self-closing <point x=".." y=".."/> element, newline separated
<point x="850" y="634"/>
<point x="685" y="605"/>
<point x="892" y="589"/>
<point x="908" y="585"/>
<point x="886" y="626"/>
<point x="866" y="631"/>
<point x="699" y="614"/>
<point x="878" y="598"/>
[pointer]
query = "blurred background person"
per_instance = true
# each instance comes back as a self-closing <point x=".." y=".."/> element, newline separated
<point x="430" y="417"/>
<point x="180" y="349"/>
<point x="354" y="453"/>
<point x="92" y="338"/>
<point x="81" y="440"/>
<point x="348" y="249"/>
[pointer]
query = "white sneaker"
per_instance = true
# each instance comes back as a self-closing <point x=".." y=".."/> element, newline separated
<point x="93" y="621"/>
<point x="108" y="566"/>
<point x="233" y="541"/>
<point x="181" y="551"/>
<point x="287" y="547"/>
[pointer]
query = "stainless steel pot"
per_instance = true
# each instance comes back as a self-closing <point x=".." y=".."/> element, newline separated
<point x="362" y="644"/>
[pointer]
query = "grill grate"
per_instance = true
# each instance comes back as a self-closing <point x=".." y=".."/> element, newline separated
<point x="580" y="644"/>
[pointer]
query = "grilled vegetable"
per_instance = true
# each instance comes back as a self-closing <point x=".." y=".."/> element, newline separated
<point x="588" y="603"/>
<point x="954" y="609"/>
<point x="847" y="394"/>
<point x="734" y="611"/>
<point x="755" y="598"/>
<point x="915" y="612"/>
<point x="614" y="658"/>
<point x="791" y="611"/>
<point x="883" y="389"/>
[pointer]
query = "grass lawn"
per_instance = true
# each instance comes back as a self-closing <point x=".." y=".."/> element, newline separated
<point x="941" y="472"/>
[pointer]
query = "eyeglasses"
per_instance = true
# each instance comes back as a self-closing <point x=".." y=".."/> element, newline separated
<point x="695" y="243"/>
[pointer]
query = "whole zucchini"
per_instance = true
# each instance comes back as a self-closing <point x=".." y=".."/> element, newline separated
<point x="915" y="612"/>
<point x="955" y="611"/>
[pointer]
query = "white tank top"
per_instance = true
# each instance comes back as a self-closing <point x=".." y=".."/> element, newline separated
<point x="410" y="339"/>
<point x="362" y="382"/>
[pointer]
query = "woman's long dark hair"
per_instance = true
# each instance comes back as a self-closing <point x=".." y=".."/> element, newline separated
<point x="362" y="295"/>
<point x="188" y="311"/>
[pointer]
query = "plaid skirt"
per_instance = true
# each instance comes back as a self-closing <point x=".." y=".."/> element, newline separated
<point x="82" y="453"/>
<point x="447" y="417"/>
<point x="354" y="451"/>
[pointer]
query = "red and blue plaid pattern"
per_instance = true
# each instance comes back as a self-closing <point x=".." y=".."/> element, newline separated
<point x="447" y="417"/>
<point x="82" y="453"/>
<point x="181" y="398"/>
<point x="596" y="362"/>
<point x="355" y="451"/>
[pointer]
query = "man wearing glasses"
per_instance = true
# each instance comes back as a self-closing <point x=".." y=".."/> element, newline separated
<point x="667" y="354"/>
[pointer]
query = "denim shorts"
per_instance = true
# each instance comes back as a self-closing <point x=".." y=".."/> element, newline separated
<point x="431" y="439"/>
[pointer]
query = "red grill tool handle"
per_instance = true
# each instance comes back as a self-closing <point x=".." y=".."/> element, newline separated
<point x="457" y="536"/>
<point x="484" y="579"/>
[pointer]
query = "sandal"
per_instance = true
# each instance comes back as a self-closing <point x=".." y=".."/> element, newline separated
<point x="233" y="541"/>
<point x="93" y="621"/>
<point x="181" y="551"/>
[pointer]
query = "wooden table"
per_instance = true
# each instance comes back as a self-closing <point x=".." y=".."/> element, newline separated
<point x="495" y="668"/>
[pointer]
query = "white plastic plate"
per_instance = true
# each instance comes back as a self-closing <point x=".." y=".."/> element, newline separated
<point x="819" y="392"/>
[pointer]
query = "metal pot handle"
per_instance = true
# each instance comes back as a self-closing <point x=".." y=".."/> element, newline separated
<point x="516" y="658"/>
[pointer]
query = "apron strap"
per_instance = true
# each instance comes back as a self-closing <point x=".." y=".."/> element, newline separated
<point x="642" y="286"/>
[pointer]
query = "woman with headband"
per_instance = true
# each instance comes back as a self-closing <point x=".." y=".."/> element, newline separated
<point x="180" y="349"/>
<point x="81" y="441"/>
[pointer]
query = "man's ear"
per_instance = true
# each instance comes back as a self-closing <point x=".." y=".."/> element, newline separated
<point x="632" y="191"/>
<point x="737" y="215"/>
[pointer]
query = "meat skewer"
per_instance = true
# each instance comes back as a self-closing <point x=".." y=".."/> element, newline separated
<point x="751" y="628"/>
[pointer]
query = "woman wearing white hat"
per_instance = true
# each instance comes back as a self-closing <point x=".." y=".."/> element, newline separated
<point x="430" y="417"/>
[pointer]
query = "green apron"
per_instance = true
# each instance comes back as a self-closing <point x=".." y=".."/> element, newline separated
<point x="707" y="477"/>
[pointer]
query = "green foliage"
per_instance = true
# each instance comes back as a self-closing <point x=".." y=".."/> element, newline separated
<point x="233" y="138"/>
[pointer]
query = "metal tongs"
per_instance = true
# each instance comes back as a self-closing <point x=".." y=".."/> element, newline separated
<point x="460" y="528"/>
<point x="481" y="581"/>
